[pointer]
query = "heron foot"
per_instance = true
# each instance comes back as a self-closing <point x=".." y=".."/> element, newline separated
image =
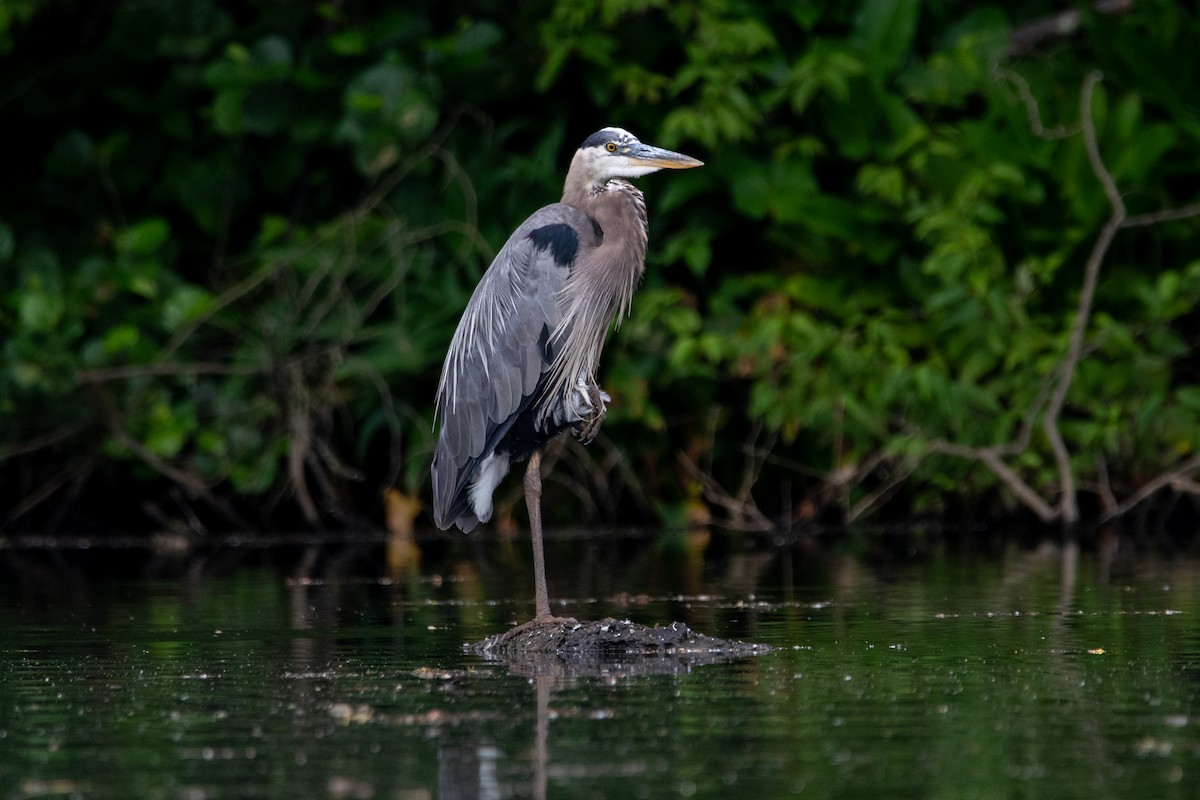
<point x="587" y="429"/>
<point x="537" y="622"/>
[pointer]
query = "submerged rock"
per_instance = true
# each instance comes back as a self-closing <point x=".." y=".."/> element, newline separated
<point x="608" y="647"/>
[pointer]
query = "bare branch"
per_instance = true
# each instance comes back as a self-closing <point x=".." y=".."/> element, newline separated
<point x="990" y="458"/>
<point x="1026" y="38"/>
<point x="40" y="442"/>
<point x="299" y="438"/>
<point x="1185" y="485"/>
<point x="1032" y="111"/>
<point x="1171" y="477"/>
<point x="189" y="481"/>
<point x="616" y="462"/>
<point x="160" y="368"/>
<point x="743" y="514"/>
<point x="577" y="476"/>
<point x="1058" y="383"/>
<point x="754" y="460"/>
<point x="1166" y="215"/>
<point x="31" y="500"/>
<point x="839" y="482"/>
<point x="1093" y="148"/>
<point x="226" y="298"/>
<point x="336" y="465"/>
<point x="1025" y="431"/>
<point x="1105" y="488"/>
<point x="875" y="498"/>
<point x="1068" y="504"/>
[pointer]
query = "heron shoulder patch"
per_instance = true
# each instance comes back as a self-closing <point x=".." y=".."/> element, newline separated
<point x="560" y="239"/>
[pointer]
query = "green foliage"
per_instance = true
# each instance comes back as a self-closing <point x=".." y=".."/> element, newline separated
<point x="235" y="244"/>
<point x="901" y="263"/>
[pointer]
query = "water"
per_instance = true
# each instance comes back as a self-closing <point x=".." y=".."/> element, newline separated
<point x="323" y="671"/>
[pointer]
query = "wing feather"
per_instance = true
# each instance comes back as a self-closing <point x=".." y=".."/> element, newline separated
<point x="499" y="352"/>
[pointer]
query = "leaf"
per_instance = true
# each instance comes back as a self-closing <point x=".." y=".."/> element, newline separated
<point x="1189" y="397"/>
<point x="39" y="310"/>
<point x="884" y="31"/>
<point x="143" y="238"/>
<point x="273" y="54"/>
<point x="480" y="36"/>
<point x="184" y="305"/>
<point x="169" y="429"/>
<point x="228" y="74"/>
<point x="272" y="229"/>
<point x="227" y="111"/>
<point x="883" y="182"/>
<point x="351" y="42"/>
<point x="121" y="338"/>
<point x="782" y="189"/>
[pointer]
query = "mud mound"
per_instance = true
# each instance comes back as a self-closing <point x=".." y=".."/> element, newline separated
<point x="608" y="647"/>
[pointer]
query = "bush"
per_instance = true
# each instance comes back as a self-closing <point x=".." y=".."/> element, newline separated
<point x="235" y="244"/>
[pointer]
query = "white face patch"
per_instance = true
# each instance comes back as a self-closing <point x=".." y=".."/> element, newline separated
<point x="603" y="166"/>
<point x="619" y="167"/>
<point x="612" y="153"/>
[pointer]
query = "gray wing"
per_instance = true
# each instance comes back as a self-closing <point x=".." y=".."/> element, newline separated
<point x="500" y="350"/>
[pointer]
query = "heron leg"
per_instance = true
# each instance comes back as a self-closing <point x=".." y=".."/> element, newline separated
<point x="587" y="429"/>
<point x="533" y="501"/>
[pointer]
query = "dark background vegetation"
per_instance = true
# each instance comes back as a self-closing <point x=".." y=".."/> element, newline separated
<point x="941" y="261"/>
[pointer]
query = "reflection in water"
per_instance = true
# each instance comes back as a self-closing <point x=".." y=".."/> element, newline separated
<point x="469" y="773"/>
<point x="540" y="750"/>
<point x="319" y="671"/>
<point x="472" y="772"/>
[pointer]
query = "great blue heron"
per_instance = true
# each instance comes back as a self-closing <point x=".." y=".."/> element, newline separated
<point x="522" y="365"/>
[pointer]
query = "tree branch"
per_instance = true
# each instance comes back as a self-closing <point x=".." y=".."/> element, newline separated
<point x="188" y="481"/>
<point x="1169" y="478"/>
<point x="1068" y="504"/>
<point x="991" y="458"/>
<point x="1166" y="215"/>
<point x="881" y="494"/>
<point x="744" y="515"/>
<point x="160" y="369"/>
<point x="1026" y="38"/>
<point x="1032" y="112"/>
<point x="39" y="442"/>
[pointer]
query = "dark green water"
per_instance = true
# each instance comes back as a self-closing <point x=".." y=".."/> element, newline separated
<point x="298" y="672"/>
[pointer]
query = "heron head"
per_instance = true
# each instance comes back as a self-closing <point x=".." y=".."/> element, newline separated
<point x="616" y="153"/>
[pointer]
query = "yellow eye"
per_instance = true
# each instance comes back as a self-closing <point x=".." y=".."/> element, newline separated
<point x="611" y="147"/>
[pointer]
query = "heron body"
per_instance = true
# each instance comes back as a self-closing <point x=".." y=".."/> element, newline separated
<point x="521" y="368"/>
